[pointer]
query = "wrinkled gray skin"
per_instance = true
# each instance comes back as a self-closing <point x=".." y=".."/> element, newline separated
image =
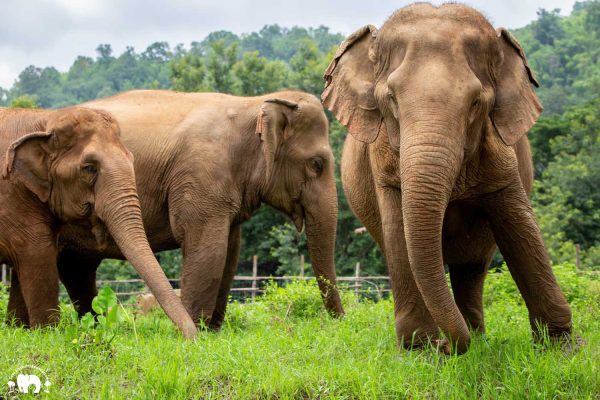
<point x="437" y="166"/>
<point x="204" y="163"/>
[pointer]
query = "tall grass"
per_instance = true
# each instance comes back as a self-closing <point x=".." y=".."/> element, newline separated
<point x="285" y="346"/>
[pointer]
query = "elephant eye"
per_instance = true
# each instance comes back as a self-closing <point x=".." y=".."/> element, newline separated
<point x="316" y="165"/>
<point x="89" y="173"/>
<point x="89" y="169"/>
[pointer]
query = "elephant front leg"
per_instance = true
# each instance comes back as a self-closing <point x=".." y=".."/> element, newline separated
<point x="233" y="256"/>
<point x="38" y="278"/>
<point x="204" y="260"/>
<point x="17" y="309"/>
<point x="520" y="241"/>
<point x="78" y="275"/>
<point x="414" y="324"/>
<point x="467" y="285"/>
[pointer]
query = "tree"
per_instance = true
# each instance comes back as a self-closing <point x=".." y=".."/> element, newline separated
<point x="23" y="102"/>
<point x="255" y="75"/>
<point x="219" y="63"/>
<point x="547" y="28"/>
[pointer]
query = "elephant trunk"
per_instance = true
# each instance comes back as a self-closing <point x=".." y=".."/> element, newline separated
<point x="321" y="222"/>
<point x="117" y="205"/>
<point x="430" y="161"/>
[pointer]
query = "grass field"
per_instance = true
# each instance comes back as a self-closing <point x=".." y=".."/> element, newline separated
<point x="285" y="346"/>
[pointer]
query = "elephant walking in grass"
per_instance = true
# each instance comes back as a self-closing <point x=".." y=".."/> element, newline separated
<point x="68" y="167"/>
<point x="204" y="163"/>
<point x="438" y="168"/>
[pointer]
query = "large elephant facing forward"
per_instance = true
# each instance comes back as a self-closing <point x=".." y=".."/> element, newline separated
<point x="68" y="166"/>
<point x="437" y="165"/>
<point x="204" y="163"/>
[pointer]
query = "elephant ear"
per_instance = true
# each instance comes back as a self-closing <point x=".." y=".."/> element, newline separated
<point x="274" y="118"/>
<point x="517" y="107"/>
<point x="349" y="86"/>
<point x="28" y="160"/>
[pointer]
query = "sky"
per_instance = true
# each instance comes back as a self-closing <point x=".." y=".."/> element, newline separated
<point x="54" y="32"/>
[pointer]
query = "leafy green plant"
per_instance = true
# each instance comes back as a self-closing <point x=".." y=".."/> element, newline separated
<point x="3" y="302"/>
<point x="96" y="331"/>
<point x="297" y="299"/>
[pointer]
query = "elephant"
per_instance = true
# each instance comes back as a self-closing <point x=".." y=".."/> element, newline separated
<point x="204" y="163"/>
<point x="68" y="166"/>
<point x="24" y="381"/>
<point x="437" y="166"/>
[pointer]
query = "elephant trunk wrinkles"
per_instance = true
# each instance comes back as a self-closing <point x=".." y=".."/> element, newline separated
<point x="429" y="165"/>
<point x="117" y="205"/>
<point x="321" y="220"/>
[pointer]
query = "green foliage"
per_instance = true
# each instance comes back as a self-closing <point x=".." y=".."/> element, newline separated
<point x="297" y="299"/>
<point x="23" y="102"/>
<point x="564" y="53"/>
<point x="285" y="346"/>
<point x="567" y="198"/>
<point x="579" y="288"/>
<point x="287" y="244"/>
<point x="3" y="302"/>
<point x="94" y="332"/>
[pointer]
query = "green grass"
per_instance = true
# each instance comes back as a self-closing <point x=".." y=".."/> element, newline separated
<point x="285" y="346"/>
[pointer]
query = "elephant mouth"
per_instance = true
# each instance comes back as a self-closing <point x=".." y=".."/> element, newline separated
<point x="297" y="216"/>
<point x="101" y="233"/>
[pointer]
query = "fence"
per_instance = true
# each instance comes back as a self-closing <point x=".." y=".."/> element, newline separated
<point x="5" y="274"/>
<point x="249" y="286"/>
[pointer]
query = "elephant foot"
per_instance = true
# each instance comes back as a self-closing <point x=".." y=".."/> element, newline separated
<point x="568" y="342"/>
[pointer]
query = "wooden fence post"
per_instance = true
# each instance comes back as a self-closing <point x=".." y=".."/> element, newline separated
<point x="357" y="279"/>
<point x="4" y="281"/>
<point x="254" y="275"/>
<point x="302" y="265"/>
<point x="577" y="257"/>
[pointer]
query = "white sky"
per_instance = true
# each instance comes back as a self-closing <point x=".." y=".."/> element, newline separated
<point x="54" y="32"/>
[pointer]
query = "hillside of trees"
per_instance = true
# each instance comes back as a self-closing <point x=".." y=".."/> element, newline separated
<point x="563" y="52"/>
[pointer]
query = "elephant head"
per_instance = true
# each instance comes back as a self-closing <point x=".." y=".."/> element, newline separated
<point x="439" y="83"/>
<point x="74" y="161"/>
<point x="299" y="179"/>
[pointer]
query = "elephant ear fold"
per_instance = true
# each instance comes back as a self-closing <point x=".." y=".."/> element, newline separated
<point x="28" y="160"/>
<point x="517" y="107"/>
<point x="274" y="118"/>
<point x="349" y="86"/>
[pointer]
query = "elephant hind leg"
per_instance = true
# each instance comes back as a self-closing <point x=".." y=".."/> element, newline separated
<point x="78" y="275"/>
<point x="233" y="255"/>
<point x="17" y="309"/>
<point x="467" y="284"/>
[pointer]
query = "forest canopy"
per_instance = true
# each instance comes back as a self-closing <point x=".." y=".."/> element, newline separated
<point x="562" y="51"/>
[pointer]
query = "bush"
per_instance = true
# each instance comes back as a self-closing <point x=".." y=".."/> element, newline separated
<point x="298" y="299"/>
<point x="578" y="288"/>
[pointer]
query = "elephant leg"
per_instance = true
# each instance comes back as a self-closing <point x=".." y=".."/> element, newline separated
<point x="17" y="309"/>
<point x="467" y="284"/>
<point x="520" y="241"/>
<point x="204" y="257"/>
<point x="414" y="324"/>
<point x="233" y="256"/>
<point x="38" y="278"/>
<point x="78" y="275"/>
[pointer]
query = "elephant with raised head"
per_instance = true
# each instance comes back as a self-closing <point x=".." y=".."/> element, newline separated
<point x="204" y="163"/>
<point x="60" y="167"/>
<point x="438" y="168"/>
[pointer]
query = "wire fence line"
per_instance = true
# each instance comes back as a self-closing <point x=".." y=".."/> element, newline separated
<point x="247" y="286"/>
